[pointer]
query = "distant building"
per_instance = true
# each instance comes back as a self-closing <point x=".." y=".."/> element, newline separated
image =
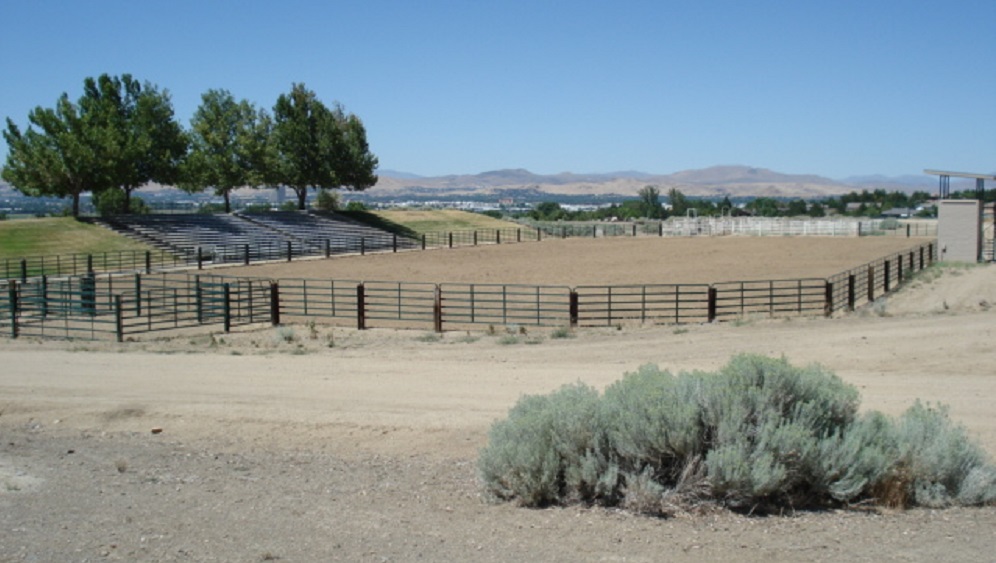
<point x="898" y="212"/>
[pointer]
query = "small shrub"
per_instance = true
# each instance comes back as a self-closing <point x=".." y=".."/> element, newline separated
<point x="508" y="339"/>
<point x="429" y="337"/>
<point x="544" y="451"/>
<point x="941" y="457"/>
<point x="562" y="332"/>
<point x="467" y="339"/>
<point x="758" y="434"/>
<point x="284" y="334"/>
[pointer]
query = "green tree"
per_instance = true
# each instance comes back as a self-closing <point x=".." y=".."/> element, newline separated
<point x="726" y="206"/>
<point x="57" y="157"/>
<point x="547" y="211"/>
<point x="137" y="138"/>
<point x="764" y="207"/>
<point x="228" y="146"/>
<point x="797" y="207"/>
<point x="327" y="200"/>
<point x="817" y="210"/>
<point x="650" y="202"/>
<point x="679" y="203"/>
<point x="112" y="202"/>
<point x="314" y="147"/>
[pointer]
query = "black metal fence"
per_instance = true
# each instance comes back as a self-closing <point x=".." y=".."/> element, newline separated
<point x="116" y="306"/>
<point x="149" y="261"/>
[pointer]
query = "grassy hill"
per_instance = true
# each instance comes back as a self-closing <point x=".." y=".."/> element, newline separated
<point x="63" y="235"/>
<point x="59" y="235"/>
<point x="441" y="220"/>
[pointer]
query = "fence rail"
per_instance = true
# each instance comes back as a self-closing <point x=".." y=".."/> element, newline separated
<point x="160" y="260"/>
<point x="116" y="306"/>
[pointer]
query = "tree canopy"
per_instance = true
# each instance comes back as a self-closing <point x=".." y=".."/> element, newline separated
<point x="316" y="147"/>
<point x="121" y="134"/>
<point x="228" y="141"/>
<point x="138" y="138"/>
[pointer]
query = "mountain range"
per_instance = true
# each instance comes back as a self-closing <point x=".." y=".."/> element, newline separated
<point x="713" y="181"/>
<point x="733" y="181"/>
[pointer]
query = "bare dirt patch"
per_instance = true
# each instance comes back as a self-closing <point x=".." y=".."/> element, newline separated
<point x="572" y="262"/>
<point x="294" y="451"/>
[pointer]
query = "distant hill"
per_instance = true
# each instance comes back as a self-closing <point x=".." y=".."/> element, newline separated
<point x="713" y="181"/>
<point x="731" y="180"/>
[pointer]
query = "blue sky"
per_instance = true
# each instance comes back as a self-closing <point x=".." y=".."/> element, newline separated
<point x="836" y="88"/>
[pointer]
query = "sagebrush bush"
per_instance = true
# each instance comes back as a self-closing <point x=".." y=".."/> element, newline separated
<point x="758" y="434"/>
<point x="544" y="452"/>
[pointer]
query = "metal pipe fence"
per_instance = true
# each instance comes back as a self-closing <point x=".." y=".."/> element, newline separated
<point x="116" y="306"/>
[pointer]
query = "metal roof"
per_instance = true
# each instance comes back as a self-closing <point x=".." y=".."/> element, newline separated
<point x="960" y="174"/>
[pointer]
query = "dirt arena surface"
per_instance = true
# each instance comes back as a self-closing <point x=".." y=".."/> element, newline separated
<point x="616" y="261"/>
<point x="291" y="450"/>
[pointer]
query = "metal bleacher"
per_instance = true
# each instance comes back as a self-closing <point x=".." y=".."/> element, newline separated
<point x="316" y="230"/>
<point x="236" y="237"/>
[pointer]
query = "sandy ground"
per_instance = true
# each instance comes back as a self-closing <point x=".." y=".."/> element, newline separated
<point x="578" y="261"/>
<point x="361" y="446"/>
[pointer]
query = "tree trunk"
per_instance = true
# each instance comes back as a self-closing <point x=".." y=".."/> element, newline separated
<point x="76" y="205"/>
<point x="302" y="195"/>
<point x="127" y="201"/>
<point x="228" y="205"/>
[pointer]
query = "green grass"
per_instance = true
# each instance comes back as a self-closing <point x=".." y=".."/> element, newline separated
<point x="442" y="220"/>
<point x="59" y="235"/>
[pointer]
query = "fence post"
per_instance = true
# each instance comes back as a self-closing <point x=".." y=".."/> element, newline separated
<point x="118" y="318"/>
<point x="89" y="263"/>
<point x="394" y="242"/>
<point x="24" y="270"/>
<point x="871" y="283"/>
<point x="138" y="295"/>
<point x="573" y="308"/>
<point x="711" y="314"/>
<point x="475" y="237"/>
<point x="634" y="229"/>
<point x="660" y="229"/>
<point x="148" y="261"/>
<point x="423" y="241"/>
<point x="899" y="271"/>
<point x="886" y="286"/>
<point x="921" y="257"/>
<point x="437" y="310"/>
<point x="563" y="232"/>
<point x="44" y="296"/>
<point x="850" y="292"/>
<point x="539" y="234"/>
<point x="518" y="235"/>
<point x="451" y="238"/>
<point x="200" y="259"/>
<point x="274" y="303"/>
<point x="361" y="307"/>
<point x="497" y="236"/>
<point x="245" y="254"/>
<point x="328" y="248"/>
<point x="12" y="298"/>
<point x="198" y="301"/>
<point x="907" y="231"/>
<point x="227" y="306"/>
<point x="828" y="307"/>
<point x="290" y="250"/>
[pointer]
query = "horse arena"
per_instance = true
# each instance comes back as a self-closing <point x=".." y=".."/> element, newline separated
<point x="317" y="441"/>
